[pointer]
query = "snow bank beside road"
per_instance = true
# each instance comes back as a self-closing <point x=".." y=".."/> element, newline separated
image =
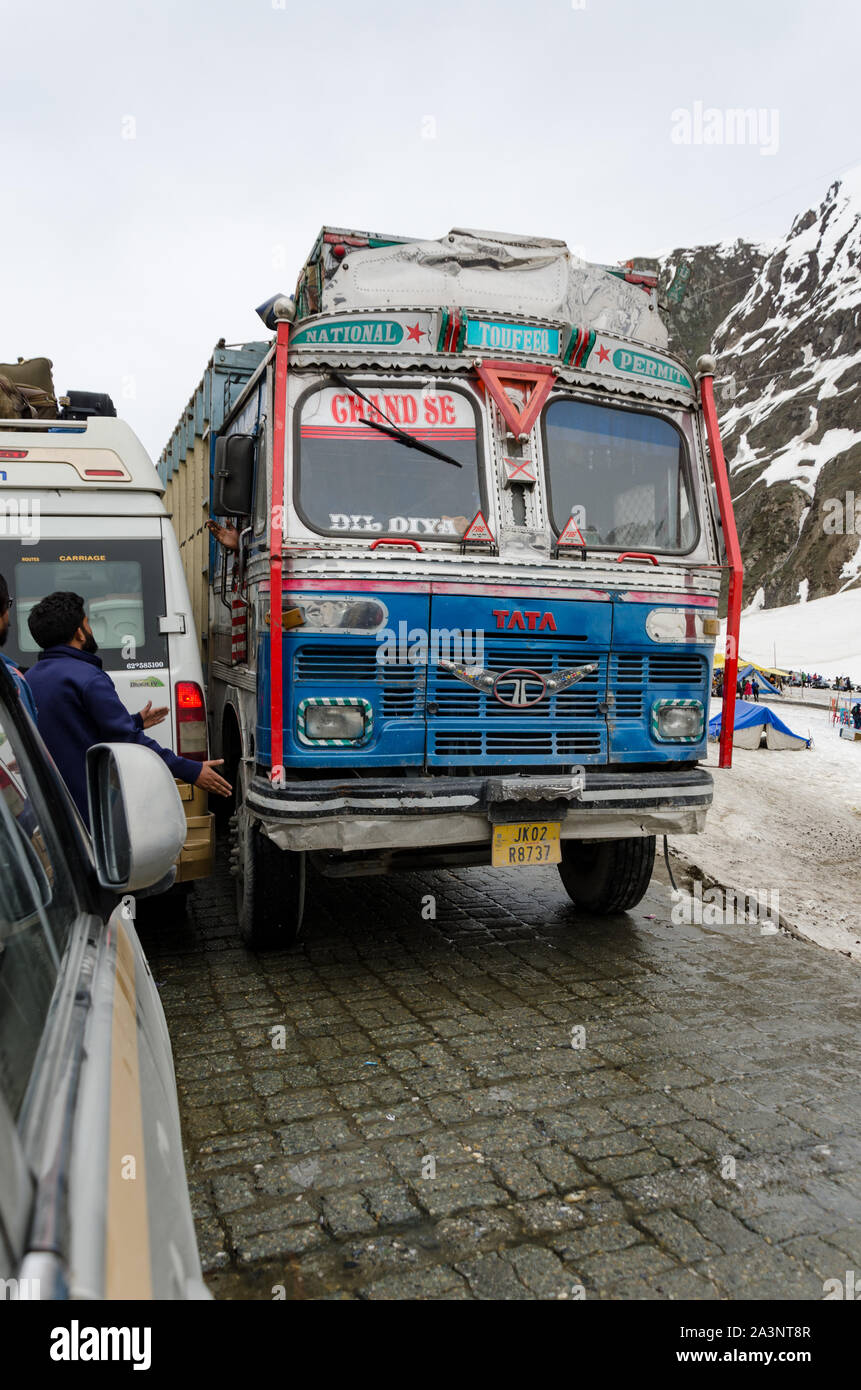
<point x="790" y="822"/>
<point x="823" y="635"/>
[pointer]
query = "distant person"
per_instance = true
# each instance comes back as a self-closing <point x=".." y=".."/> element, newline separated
<point x="856" y="715"/>
<point x="755" y="689"/>
<point x="24" y="690"/>
<point x="747" y="689"/>
<point x="79" y="706"/>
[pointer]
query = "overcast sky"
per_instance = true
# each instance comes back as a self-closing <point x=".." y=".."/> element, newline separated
<point x="166" y="164"/>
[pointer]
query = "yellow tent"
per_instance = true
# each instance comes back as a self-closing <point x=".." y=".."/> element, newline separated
<point x="743" y="661"/>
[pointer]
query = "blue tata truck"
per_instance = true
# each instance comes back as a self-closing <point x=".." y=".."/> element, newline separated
<point x="454" y="535"/>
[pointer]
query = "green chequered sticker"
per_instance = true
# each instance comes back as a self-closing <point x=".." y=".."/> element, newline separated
<point x="349" y="701"/>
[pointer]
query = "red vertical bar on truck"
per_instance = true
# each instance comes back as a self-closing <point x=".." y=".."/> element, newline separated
<point x="736" y="569"/>
<point x="276" y="537"/>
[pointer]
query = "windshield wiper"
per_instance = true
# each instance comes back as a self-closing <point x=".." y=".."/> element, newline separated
<point x="394" y="431"/>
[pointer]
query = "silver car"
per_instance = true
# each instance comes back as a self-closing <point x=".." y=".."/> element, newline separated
<point x="94" y="1201"/>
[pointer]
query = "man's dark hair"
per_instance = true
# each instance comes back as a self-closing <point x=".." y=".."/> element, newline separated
<point x="55" y="619"/>
<point x="4" y="595"/>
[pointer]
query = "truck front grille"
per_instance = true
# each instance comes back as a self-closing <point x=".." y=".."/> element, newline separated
<point x="519" y="744"/>
<point x="472" y="726"/>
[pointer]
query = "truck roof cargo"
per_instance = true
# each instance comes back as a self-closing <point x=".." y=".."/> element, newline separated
<point x="526" y="276"/>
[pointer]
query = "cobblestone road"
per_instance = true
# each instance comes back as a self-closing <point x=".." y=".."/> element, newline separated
<point x="427" y="1129"/>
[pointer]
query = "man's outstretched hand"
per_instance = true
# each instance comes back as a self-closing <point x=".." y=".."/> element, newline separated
<point x="150" y="716"/>
<point x="211" y="781"/>
<point x="228" y="536"/>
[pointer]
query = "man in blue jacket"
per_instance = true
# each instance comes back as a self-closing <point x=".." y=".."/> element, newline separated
<point x="78" y="704"/>
<point x="24" y="690"/>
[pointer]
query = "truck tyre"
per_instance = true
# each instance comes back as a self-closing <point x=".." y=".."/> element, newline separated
<point x="270" y="888"/>
<point x="605" y="876"/>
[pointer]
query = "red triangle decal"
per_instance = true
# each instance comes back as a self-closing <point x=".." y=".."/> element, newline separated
<point x="571" y="534"/>
<point x="540" y="377"/>
<point x="478" y="530"/>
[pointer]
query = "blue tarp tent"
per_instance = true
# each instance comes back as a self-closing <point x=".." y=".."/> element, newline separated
<point x="765" y="685"/>
<point x="751" y="720"/>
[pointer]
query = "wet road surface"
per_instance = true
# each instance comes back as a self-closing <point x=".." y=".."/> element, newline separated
<point x="458" y="1087"/>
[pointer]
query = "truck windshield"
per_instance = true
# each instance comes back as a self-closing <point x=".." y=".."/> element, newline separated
<point x="358" y="481"/>
<point x="622" y="474"/>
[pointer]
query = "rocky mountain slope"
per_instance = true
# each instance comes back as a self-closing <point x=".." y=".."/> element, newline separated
<point x="785" y="325"/>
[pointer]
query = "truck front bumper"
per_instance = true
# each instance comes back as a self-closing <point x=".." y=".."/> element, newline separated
<point x="421" y="812"/>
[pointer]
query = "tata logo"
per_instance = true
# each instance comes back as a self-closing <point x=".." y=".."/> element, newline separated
<point x="519" y="687"/>
<point x="526" y="621"/>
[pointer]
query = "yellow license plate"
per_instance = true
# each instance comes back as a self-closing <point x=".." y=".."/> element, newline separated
<point x="526" y="843"/>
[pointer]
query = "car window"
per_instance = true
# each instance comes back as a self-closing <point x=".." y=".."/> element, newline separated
<point x="37" y="908"/>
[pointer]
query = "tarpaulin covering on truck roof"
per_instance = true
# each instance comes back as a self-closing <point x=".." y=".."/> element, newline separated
<point x="495" y="271"/>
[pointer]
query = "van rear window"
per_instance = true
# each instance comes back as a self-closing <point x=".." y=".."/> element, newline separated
<point x="120" y="582"/>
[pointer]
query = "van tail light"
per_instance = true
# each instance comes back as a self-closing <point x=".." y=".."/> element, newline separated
<point x="190" y="721"/>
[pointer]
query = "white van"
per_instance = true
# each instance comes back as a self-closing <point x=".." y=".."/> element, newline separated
<point x="81" y="509"/>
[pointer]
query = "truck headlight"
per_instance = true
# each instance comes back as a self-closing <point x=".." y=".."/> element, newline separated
<point x="681" y="625"/>
<point x="344" y="612"/>
<point x="334" y="721"/>
<point x="678" y="721"/>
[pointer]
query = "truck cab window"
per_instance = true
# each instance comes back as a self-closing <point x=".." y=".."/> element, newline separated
<point x="354" y="480"/>
<point x="623" y="473"/>
<point x="261" y="495"/>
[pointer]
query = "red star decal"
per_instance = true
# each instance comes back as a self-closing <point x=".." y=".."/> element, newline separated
<point x="414" y="334"/>
<point x="603" y="354"/>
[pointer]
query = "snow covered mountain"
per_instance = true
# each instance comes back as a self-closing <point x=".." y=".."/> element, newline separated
<point x="784" y="322"/>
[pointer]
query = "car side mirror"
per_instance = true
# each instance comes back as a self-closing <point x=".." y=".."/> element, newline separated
<point x="138" y="824"/>
<point x="233" y="490"/>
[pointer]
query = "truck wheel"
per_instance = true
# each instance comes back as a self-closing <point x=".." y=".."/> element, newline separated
<point x="605" y="876"/>
<point x="270" y="888"/>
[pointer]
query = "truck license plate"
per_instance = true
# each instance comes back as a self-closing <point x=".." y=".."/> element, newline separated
<point x="526" y="842"/>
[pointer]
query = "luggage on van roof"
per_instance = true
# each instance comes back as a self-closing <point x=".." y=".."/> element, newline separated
<point x="27" y="393"/>
<point x="27" y="390"/>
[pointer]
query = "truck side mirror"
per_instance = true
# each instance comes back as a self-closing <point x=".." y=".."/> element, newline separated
<point x="233" y="491"/>
<point x="136" y="814"/>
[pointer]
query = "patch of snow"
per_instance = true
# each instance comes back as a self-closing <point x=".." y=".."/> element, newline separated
<point x="790" y="823"/>
<point x="821" y="635"/>
<point x="756" y="603"/>
<point x="800" y="455"/>
<point x="851" y="569"/>
<point x="803" y="590"/>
